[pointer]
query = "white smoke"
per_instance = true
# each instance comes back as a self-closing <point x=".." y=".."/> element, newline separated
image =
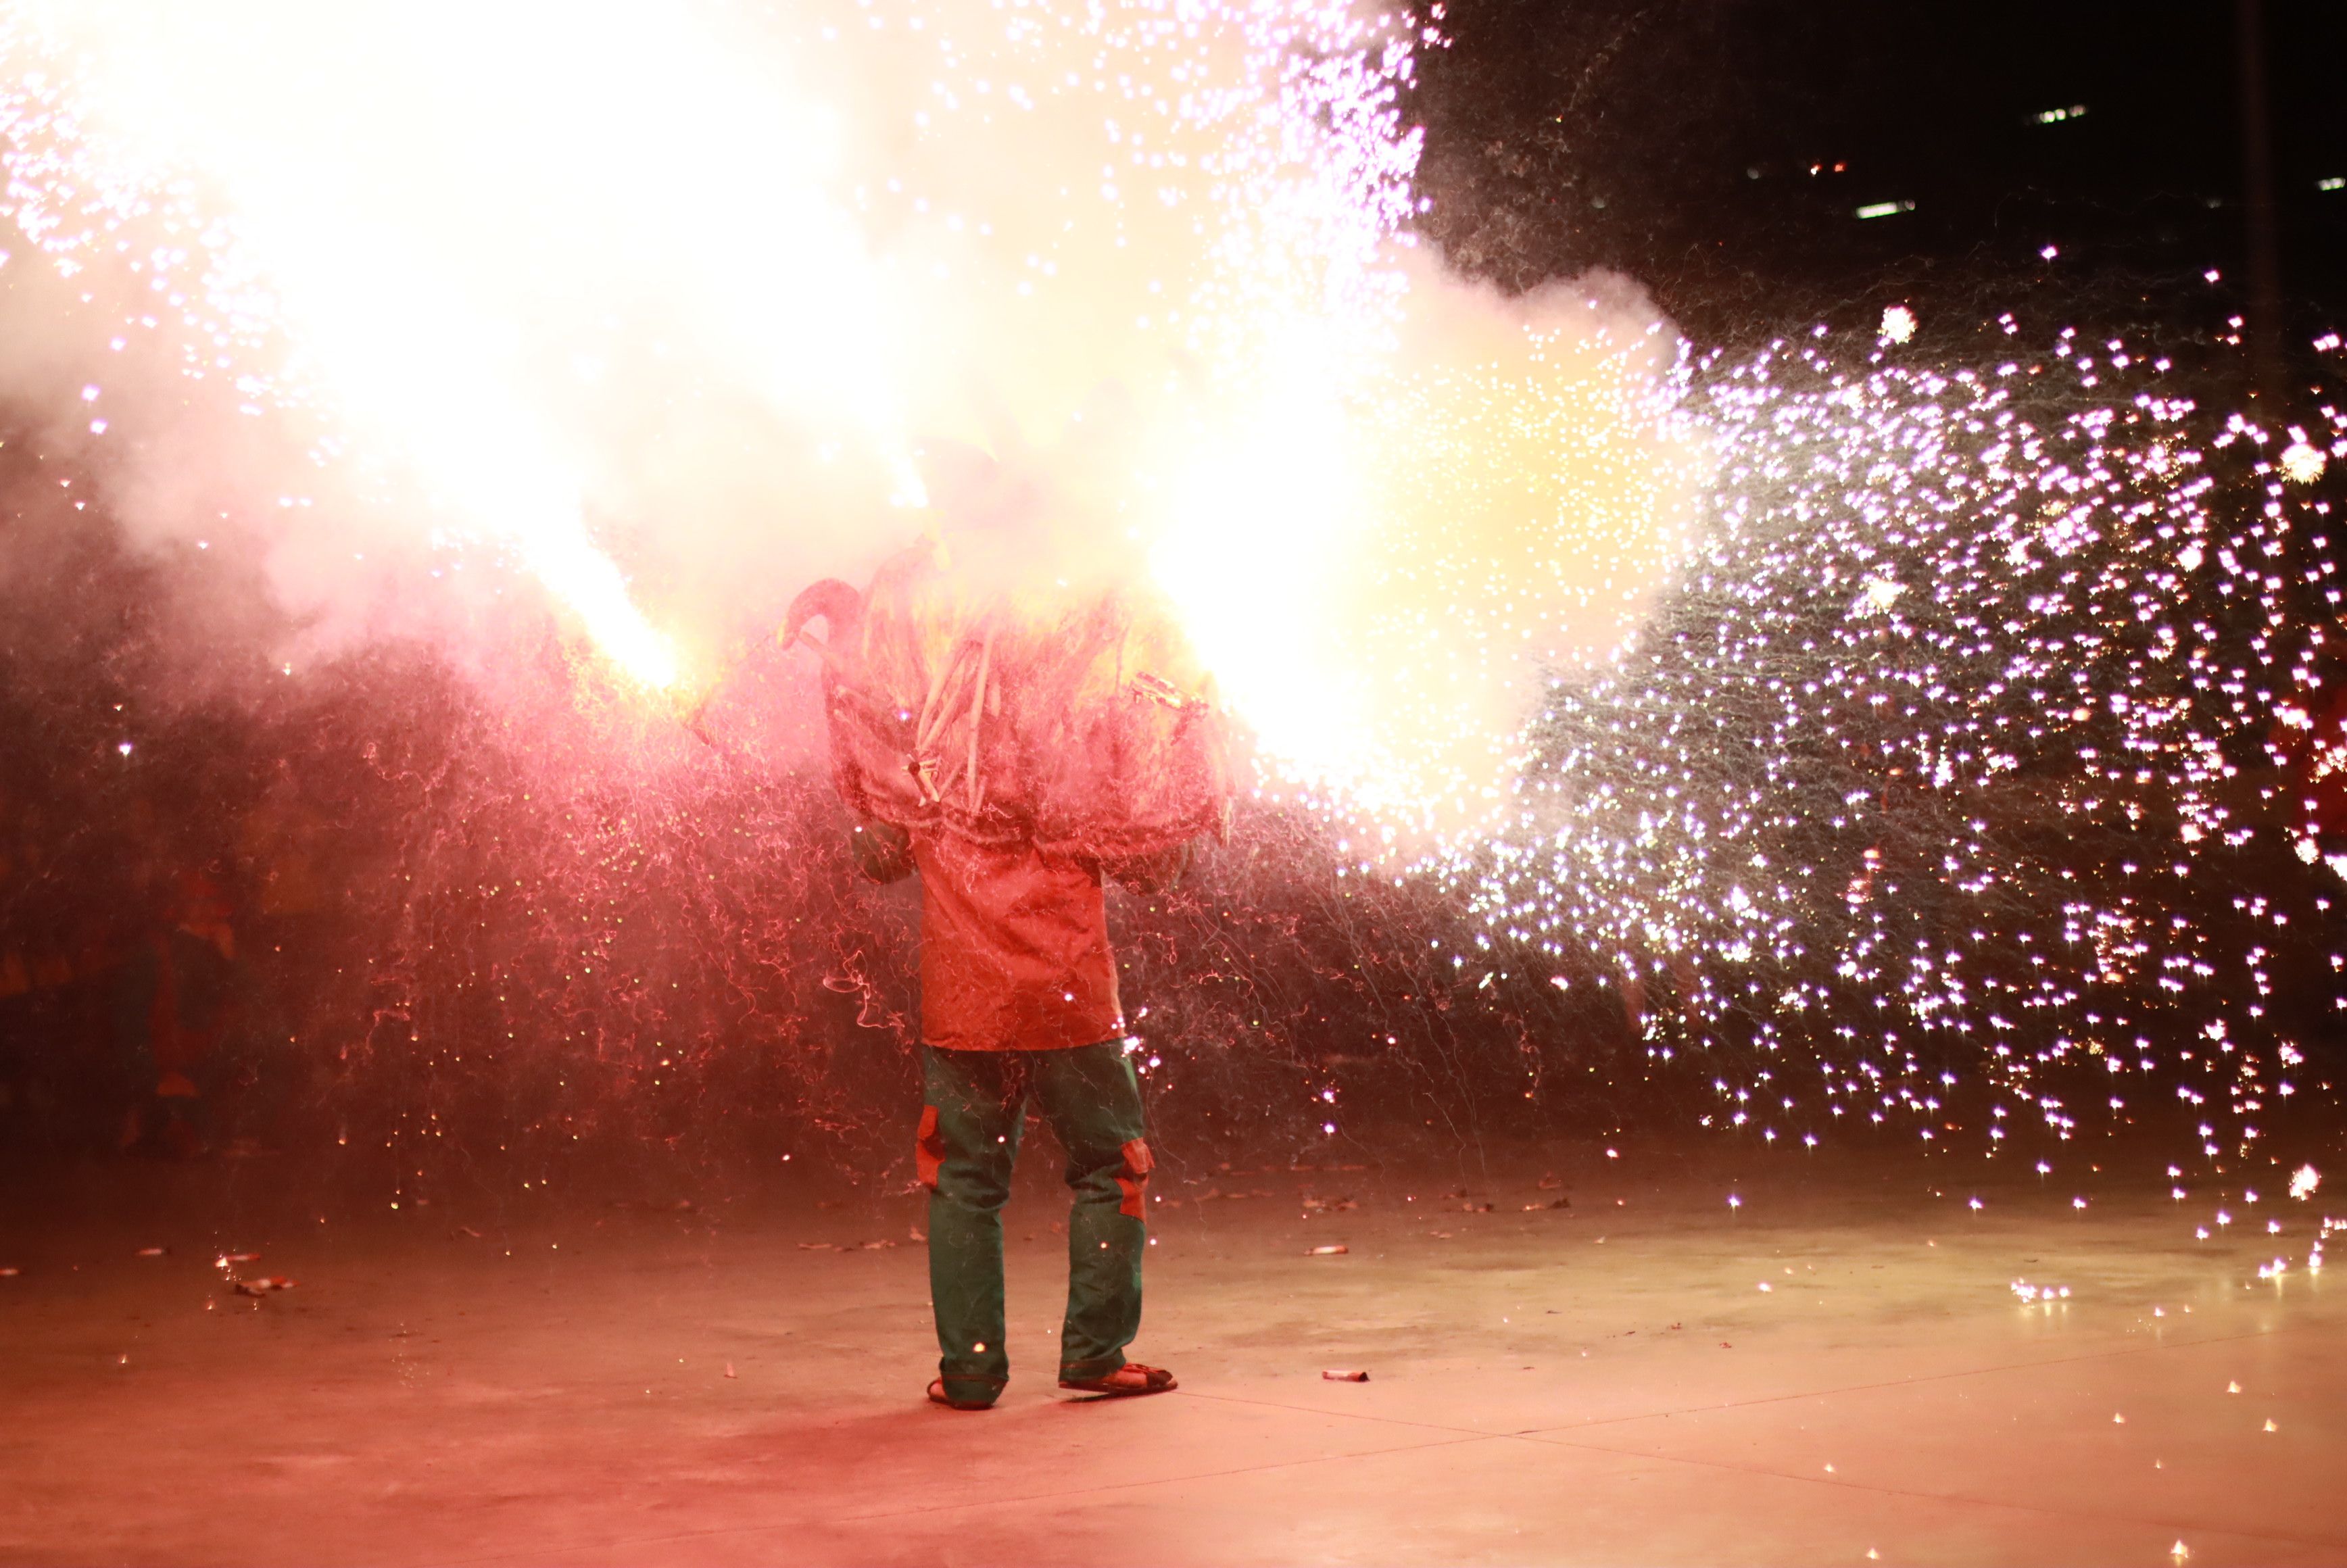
<point x="655" y="307"/>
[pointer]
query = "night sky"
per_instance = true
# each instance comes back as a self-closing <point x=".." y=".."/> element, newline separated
<point x="1677" y="143"/>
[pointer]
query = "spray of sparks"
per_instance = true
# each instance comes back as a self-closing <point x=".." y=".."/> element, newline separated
<point x="1944" y="793"/>
<point x="1890" y="720"/>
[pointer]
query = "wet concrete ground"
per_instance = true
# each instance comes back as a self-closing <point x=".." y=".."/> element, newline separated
<point x="1837" y="1370"/>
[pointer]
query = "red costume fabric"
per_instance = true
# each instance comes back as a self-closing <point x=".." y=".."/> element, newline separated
<point x="1014" y="949"/>
<point x="996" y="702"/>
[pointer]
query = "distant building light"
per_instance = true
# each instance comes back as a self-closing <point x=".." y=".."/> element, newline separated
<point x="2335" y="183"/>
<point x="2055" y="117"/>
<point x="1885" y="208"/>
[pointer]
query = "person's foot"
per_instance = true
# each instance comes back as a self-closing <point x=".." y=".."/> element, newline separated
<point x="1133" y="1378"/>
<point x="938" y="1396"/>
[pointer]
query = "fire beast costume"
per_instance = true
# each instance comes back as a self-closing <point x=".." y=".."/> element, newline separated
<point x="1013" y="741"/>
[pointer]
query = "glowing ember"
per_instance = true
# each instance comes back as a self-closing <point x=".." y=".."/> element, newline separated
<point x="2301" y="463"/>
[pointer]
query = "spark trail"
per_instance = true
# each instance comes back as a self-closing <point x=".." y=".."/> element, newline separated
<point x="1948" y="780"/>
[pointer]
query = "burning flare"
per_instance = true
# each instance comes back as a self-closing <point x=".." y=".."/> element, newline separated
<point x="677" y="287"/>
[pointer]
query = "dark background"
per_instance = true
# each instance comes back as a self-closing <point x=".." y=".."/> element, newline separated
<point x="1676" y="143"/>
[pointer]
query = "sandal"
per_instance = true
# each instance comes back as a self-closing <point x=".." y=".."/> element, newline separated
<point x="1129" y="1379"/>
<point x="938" y="1396"/>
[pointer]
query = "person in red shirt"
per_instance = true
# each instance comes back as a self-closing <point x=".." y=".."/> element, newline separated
<point x="1014" y="716"/>
<point x="1018" y="1002"/>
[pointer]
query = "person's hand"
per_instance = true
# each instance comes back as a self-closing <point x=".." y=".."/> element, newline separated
<point x="884" y="852"/>
<point x="1149" y="874"/>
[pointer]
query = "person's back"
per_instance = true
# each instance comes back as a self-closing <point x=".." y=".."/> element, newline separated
<point x="1006" y="741"/>
<point x="1014" y="949"/>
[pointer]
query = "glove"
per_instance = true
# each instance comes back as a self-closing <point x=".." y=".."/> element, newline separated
<point x="884" y="852"/>
<point x="1153" y="873"/>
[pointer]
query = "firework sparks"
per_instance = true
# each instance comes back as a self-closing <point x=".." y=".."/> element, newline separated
<point x="1884" y="715"/>
<point x="1915" y="797"/>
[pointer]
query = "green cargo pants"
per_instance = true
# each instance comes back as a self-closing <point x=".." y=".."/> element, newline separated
<point x="975" y="1107"/>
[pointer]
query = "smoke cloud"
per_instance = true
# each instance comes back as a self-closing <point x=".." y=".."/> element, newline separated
<point x="430" y="321"/>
